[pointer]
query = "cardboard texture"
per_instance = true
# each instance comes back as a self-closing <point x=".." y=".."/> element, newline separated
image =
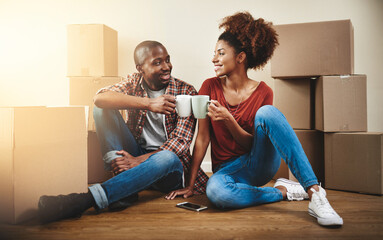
<point x="83" y="89"/>
<point x="341" y="103"/>
<point x="354" y="162"/>
<point x="283" y="171"/>
<point x="96" y="172"/>
<point x="92" y="50"/>
<point x="295" y="99"/>
<point x="42" y="152"/>
<point x="313" y="144"/>
<point x="314" y="49"/>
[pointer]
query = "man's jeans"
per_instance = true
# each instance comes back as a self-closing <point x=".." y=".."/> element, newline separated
<point x="162" y="171"/>
<point x="236" y="184"/>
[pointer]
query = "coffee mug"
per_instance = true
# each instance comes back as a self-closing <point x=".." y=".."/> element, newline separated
<point x="183" y="105"/>
<point x="200" y="103"/>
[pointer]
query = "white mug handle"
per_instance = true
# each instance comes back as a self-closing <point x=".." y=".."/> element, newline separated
<point x="207" y="105"/>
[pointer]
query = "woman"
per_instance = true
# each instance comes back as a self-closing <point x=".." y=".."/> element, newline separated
<point x="249" y="136"/>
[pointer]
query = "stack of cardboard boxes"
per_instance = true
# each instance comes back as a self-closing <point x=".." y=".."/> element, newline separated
<point x="326" y="104"/>
<point x="55" y="150"/>
<point x="92" y="65"/>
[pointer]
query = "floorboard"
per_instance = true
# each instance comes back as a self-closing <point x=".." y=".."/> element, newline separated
<point x="153" y="217"/>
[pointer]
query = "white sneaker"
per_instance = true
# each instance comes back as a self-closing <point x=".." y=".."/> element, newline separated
<point x="295" y="191"/>
<point x="320" y="208"/>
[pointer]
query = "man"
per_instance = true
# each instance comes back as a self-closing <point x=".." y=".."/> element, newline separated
<point x="151" y="150"/>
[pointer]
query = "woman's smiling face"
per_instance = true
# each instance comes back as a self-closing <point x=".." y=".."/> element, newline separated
<point x="224" y="59"/>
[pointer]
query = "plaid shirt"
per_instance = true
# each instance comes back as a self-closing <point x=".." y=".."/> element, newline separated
<point x="179" y="130"/>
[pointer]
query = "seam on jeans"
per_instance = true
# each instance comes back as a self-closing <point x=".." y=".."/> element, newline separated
<point x="284" y="156"/>
<point x="235" y="183"/>
<point x="290" y="159"/>
<point x="234" y="171"/>
<point x="170" y="171"/>
<point x="148" y="185"/>
<point x="268" y="190"/>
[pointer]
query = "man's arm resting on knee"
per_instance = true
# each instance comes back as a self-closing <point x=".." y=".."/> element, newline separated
<point x="127" y="161"/>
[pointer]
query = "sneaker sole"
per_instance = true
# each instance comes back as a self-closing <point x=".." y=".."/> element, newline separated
<point x="326" y="221"/>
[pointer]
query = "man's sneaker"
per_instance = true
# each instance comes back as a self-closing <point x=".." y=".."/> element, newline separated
<point x="295" y="191"/>
<point x="320" y="208"/>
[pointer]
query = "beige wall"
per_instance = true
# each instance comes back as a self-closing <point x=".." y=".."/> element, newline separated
<point x="33" y="39"/>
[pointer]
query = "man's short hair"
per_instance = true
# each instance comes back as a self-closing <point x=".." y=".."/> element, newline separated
<point x="142" y="50"/>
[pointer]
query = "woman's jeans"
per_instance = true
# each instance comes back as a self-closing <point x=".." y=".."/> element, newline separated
<point x="162" y="171"/>
<point x="236" y="183"/>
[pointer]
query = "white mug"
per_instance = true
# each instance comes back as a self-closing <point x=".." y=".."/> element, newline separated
<point x="184" y="105"/>
<point x="200" y="103"/>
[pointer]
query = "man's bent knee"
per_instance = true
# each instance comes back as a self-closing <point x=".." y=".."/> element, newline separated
<point x="167" y="159"/>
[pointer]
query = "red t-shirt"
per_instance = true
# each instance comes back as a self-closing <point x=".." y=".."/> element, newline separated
<point x="223" y="145"/>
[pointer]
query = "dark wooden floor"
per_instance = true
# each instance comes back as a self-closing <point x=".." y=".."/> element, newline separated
<point x="153" y="217"/>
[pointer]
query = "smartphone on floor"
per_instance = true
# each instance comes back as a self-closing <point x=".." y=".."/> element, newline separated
<point x="191" y="206"/>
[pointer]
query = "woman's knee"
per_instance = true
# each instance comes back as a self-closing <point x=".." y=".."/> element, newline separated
<point x="268" y="113"/>
<point x="219" y="191"/>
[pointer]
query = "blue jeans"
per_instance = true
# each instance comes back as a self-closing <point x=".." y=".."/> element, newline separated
<point x="162" y="171"/>
<point x="236" y="183"/>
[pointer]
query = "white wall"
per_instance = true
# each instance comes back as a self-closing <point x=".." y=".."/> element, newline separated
<point x="33" y="39"/>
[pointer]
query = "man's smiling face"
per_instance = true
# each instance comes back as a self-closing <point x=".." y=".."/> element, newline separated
<point x="156" y="68"/>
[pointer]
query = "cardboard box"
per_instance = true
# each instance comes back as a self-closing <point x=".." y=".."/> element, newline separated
<point x="83" y="89"/>
<point x="92" y="50"/>
<point x="96" y="172"/>
<point x="313" y="144"/>
<point x="283" y="171"/>
<point x="42" y="152"/>
<point x="314" y="49"/>
<point x="341" y="103"/>
<point x="354" y="162"/>
<point x="295" y="99"/>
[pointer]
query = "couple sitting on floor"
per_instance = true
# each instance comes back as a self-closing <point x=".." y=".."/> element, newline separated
<point x="248" y="135"/>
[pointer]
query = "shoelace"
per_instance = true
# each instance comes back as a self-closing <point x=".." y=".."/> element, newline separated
<point x="322" y="203"/>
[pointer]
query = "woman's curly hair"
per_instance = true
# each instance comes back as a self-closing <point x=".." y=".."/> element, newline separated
<point x="257" y="38"/>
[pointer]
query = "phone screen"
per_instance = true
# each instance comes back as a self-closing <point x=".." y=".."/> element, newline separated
<point x="191" y="206"/>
